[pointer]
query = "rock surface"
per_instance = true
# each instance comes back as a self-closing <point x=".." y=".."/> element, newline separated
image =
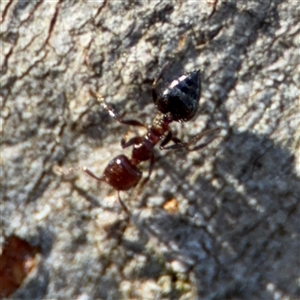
<point x="229" y="228"/>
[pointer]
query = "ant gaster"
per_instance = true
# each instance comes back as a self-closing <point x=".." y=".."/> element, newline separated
<point x="178" y="101"/>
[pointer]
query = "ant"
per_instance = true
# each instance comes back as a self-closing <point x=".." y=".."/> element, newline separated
<point x="178" y="101"/>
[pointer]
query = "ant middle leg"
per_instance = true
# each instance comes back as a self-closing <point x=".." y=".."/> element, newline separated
<point x="113" y="113"/>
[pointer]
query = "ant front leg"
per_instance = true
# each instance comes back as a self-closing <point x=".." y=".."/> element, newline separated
<point x="151" y="164"/>
<point x="145" y="180"/>
<point x="113" y="113"/>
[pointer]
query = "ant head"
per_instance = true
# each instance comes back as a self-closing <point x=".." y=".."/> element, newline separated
<point x="181" y="97"/>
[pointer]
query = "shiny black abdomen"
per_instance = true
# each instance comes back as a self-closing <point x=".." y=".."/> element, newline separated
<point x="181" y="97"/>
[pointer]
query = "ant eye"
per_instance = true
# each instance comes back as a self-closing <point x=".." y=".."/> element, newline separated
<point x="180" y="97"/>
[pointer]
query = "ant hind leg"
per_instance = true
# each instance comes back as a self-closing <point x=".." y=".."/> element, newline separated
<point x="113" y="113"/>
<point x="179" y="145"/>
<point x="199" y="136"/>
<point x="160" y="74"/>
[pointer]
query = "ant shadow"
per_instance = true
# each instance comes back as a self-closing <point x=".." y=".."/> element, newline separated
<point x="230" y="235"/>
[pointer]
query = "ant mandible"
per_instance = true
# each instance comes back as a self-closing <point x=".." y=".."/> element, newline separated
<point x="178" y="101"/>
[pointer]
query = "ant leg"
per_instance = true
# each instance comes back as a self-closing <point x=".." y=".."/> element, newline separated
<point x="113" y="113"/>
<point x="199" y="136"/>
<point x="178" y="144"/>
<point x="156" y="80"/>
<point x="151" y="164"/>
<point x="160" y="74"/>
<point x="123" y="204"/>
<point x="169" y="137"/>
<point x="166" y="140"/>
<point x="145" y="180"/>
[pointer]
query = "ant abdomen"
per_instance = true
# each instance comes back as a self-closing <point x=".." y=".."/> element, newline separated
<point x="181" y="97"/>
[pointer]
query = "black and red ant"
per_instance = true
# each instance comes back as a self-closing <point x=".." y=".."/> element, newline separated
<point x="178" y="101"/>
